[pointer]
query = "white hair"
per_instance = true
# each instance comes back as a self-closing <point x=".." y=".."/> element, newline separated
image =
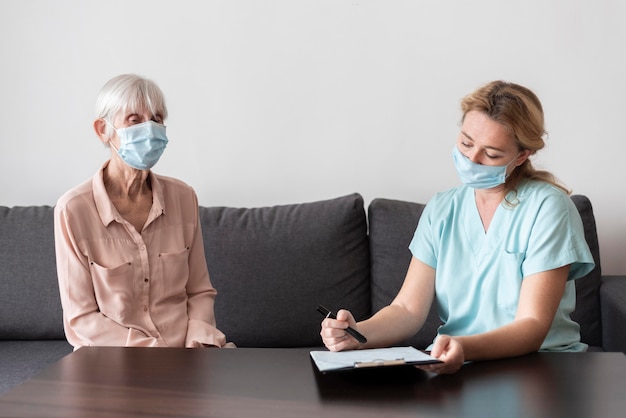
<point x="129" y="92"/>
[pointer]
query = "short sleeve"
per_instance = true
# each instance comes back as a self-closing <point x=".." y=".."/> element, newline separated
<point x="557" y="239"/>
<point x="424" y="243"/>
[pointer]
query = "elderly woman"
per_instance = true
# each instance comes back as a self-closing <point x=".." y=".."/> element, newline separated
<point x="499" y="253"/>
<point x="130" y="257"/>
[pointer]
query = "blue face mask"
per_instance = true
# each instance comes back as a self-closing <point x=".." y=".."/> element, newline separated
<point x="141" y="145"/>
<point x="478" y="176"/>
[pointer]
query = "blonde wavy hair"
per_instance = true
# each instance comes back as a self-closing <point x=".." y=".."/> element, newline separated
<point x="520" y="112"/>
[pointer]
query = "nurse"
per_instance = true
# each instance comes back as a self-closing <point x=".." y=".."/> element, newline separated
<point x="498" y="254"/>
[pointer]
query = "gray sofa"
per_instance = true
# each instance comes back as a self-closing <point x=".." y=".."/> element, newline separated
<point x="272" y="266"/>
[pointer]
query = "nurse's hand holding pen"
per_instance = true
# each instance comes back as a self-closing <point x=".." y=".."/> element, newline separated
<point x="334" y="334"/>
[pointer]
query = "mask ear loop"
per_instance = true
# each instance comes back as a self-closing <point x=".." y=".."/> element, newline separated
<point x="512" y="161"/>
<point x="110" y="141"/>
<point x="113" y="146"/>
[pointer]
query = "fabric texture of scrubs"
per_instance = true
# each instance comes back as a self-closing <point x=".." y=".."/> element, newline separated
<point x="479" y="274"/>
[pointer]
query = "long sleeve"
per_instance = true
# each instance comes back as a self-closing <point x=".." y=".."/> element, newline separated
<point x="201" y="297"/>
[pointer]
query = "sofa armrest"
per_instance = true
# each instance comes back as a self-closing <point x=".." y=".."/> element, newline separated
<point x="613" y="309"/>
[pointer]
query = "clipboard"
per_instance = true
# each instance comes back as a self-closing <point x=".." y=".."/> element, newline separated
<point x="328" y="361"/>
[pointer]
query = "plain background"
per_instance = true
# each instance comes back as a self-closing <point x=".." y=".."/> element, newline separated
<point x="288" y="101"/>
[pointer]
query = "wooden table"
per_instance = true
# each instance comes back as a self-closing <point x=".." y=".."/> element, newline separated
<point x="152" y="382"/>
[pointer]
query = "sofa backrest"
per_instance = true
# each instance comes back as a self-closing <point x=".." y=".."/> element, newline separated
<point x="30" y="307"/>
<point x="273" y="266"/>
<point x="391" y="227"/>
<point x="392" y="224"/>
<point x="587" y="312"/>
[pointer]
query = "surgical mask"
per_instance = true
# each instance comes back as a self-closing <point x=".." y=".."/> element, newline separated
<point x="478" y="176"/>
<point x="141" y="145"/>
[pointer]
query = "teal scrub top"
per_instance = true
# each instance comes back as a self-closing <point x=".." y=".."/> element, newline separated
<point x="479" y="274"/>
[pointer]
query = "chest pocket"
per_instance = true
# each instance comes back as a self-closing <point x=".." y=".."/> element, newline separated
<point x="113" y="288"/>
<point x="173" y="274"/>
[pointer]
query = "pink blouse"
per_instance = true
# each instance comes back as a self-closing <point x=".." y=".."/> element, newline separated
<point x="123" y="288"/>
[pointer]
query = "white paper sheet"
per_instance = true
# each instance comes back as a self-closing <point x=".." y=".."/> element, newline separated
<point x="329" y="361"/>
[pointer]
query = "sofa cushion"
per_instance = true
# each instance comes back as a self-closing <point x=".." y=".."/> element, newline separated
<point x="391" y="227"/>
<point x="30" y="307"/>
<point x="21" y="360"/>
<point x="392" y="224"/>
<point x="272" y="267"/>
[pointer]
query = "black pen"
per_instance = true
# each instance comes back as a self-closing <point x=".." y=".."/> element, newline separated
<point x="356" y="334"/>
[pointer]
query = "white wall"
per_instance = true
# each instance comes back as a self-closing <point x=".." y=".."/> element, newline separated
<point x="288" y="101"/>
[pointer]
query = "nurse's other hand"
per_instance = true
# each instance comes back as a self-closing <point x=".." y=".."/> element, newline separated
<point x="450" y="351"/>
